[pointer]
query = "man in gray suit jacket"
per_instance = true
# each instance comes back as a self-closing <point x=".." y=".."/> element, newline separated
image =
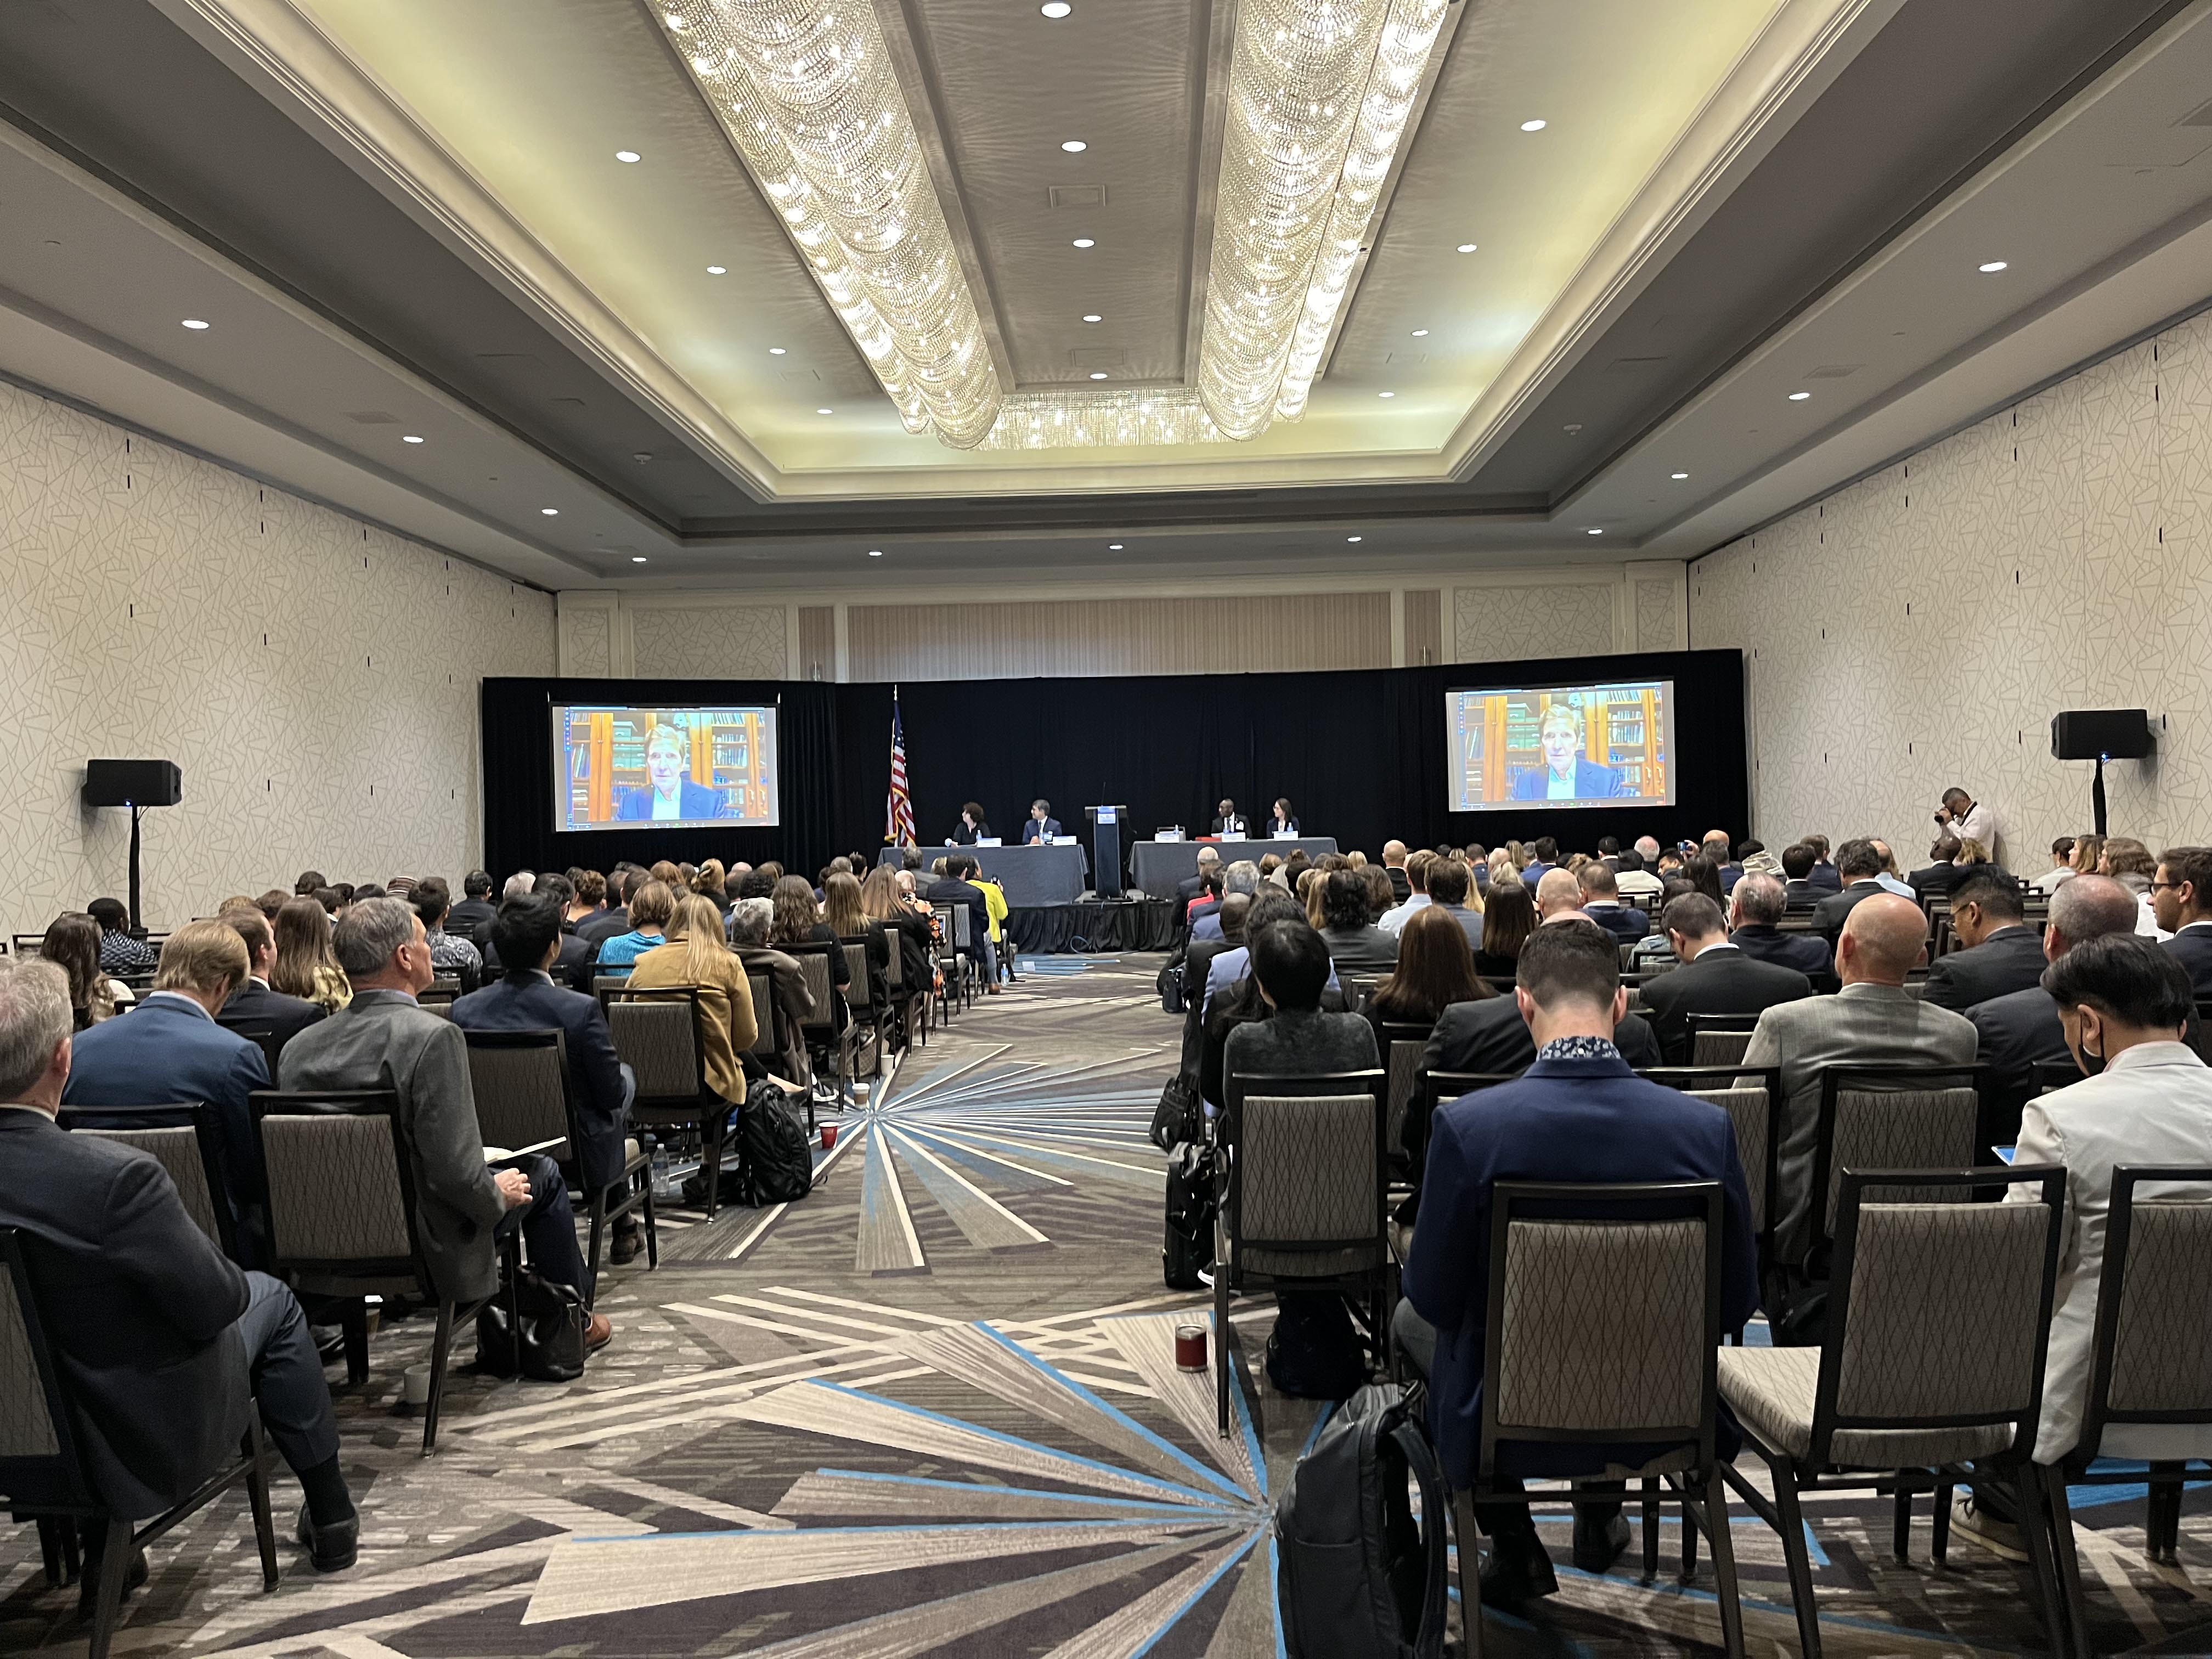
<point x="384" y="1040"/>
<point x="1872" y="1021"/>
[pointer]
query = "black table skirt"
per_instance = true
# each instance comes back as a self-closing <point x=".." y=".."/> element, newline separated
<point x="1030" y="875"/>
<point x="1093" y="927"/>
<point x="1157" y="866"/>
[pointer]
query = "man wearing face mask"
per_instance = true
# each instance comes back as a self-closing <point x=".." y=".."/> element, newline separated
<point x="2147" y="1099"/>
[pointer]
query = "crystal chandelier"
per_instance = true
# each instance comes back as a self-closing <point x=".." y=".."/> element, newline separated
<point x="1102" y="420"/>
<point x="805" y="90"/>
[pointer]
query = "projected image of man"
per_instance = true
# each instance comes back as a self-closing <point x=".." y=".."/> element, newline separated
<point x="1565" y="775"/>
<point x="669" y="796"/>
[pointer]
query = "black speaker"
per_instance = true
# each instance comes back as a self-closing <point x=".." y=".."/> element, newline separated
<point x="132" y="783"/>
<point x="2101" y="733"/>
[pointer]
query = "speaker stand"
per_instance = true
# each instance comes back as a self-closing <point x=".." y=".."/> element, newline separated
<point x="2096" y="804"/>
<point x="134" y="810"/>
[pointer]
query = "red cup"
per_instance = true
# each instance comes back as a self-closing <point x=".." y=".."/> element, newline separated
<point x="1190" y="1347"/>
<point x="829" y="1136"/>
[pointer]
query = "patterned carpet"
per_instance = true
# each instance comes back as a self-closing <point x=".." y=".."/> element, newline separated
<point x="932" y="1409"/>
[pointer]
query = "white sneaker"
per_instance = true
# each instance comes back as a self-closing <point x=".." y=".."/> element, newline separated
<point x="1998" y="1537"/>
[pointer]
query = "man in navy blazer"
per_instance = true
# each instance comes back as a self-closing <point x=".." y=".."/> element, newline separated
<point x="1579" y="1114"/>
<point x="1755" y="929"/>
<point x="1040" y="825"/>
<point x="169" y="1049"/>
<point x="527" y="931"/>
<point x="2181" y="900"/>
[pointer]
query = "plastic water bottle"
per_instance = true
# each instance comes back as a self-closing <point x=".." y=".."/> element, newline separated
<point x="664" y="1184"/>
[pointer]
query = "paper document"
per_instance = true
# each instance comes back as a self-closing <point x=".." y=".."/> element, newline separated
<point x="501" y="1154"/>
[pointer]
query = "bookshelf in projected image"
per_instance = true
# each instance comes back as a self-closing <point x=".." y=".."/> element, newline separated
<point x="1622" y="728"/>
<point x="728" y="748"/>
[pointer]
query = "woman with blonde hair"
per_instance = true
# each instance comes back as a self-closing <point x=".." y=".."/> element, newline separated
<point x="696" y="954"/>
<point x="305" y="965"/>
<point x="882" y="901"/>
<point x="709" y="884"/>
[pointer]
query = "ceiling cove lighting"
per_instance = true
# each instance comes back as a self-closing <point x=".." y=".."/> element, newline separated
<point x="1075" y="145"/>
<point x="1992" y="268"/>
<point x="408" y="438"/>
<point x="1319" y="93"/>
<point x="1799" y="397"/>
<point x="806" y="91"/>
<point x="194" y="324"/>
<point x="628" y="157"/>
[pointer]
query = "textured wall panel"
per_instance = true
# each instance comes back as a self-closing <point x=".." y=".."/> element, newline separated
<point x="1504" y="624"/>
<point x="709" y="642"/>
<point x="817" y="641"/>
<point x="1425" y="627"/>
<point x="1227" y="635"/>
<point x="1920" y="628"/>
<point x="315" y="680"/>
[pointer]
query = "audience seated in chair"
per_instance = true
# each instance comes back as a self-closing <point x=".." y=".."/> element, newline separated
<point x="1755" y="912"/>
<point x="1601" y="902"/>
<point x="1293" y="1037"/>
<point x="1860" y="864"/>
<point x="1872" y="1021"/>
<point x="1716" y="977"/>
<point x="2001" y="952"/>
<point x="1242" y="877"/>
<point x="525" y="999"/>
<point x="451" y="954"/>
<point x="1417" y="892"/>
<point x="1449" y="884"/>
<point x="383" y="1040"/>
<point x="697" y="954"/>
<point x="119" y="953"/>
<point x="2181" y="904"/>
<point x="163" y="1341"/>
<point x="749" y="926"/>
<point x="254" y="1001"/>
<point x="1578" y="1114"/>
<point x="1355" y="944"/>
<point x="72" y="944"/>
<point x="650" y="909"/>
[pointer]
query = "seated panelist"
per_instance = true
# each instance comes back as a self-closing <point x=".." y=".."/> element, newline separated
<point x="669" y="796"/>
<point x="1228" y="824"/>
<point x="1565" y="775"/>
<point x="971" y="828"/>
<point x="1042" y="825"/>
<point x="1282" y="821"/>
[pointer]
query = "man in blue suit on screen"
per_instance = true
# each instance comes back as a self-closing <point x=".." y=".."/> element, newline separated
<point x="1566" y="775"/>
<point x="669" y="796"/>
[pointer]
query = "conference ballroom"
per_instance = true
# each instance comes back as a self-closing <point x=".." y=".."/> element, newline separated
<point x="1208" y="829"/>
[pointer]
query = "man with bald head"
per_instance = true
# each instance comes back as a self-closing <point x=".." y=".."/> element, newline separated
<point x="2019" y="1031"/>
<point x="1393" y="866"/>
<point x="1558" y="894"/>
<point x="1872" y="1021"/>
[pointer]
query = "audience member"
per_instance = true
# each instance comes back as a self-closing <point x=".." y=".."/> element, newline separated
<point x="1434" y="969"/>
<point x="960" y="888"/>
<point x="1704" y="875"/>
<point x="650" y="910"/>
<point x="2181" y="902"/>
<point x="1355" y="944"/>
<point x="2088" y="854"/>
<point x="2062" y="866"/>
<point x="525" y="999"/>
<point x="474" y="911"/>
<point x="1417" y="892"/>
<point x="1968" y="819"/>
<point x="1943" y="870"/>
<point x="119" y="953"/>
<point x="846" y="923"/>
<point x="270" y="903"/>
<point x="1755" y="911"/>
<point x="710" y="884"/>
<point x="1888" y="878"/>
<point x="163" y="1341"/>
<point x="1578" y="1114"/>
<point x="383" y="1040"/>
<point x="1291" y="967"/>
<point x="623" y="884"/>
<point x="311" y="881"/>
<point x="1825" y="875"/>
<point x="750" y="919"/>
<point x="72" y="944"/>
<point x="1630" y="876"/>
<point x="1242" y="877"/>
<point x="1800" y="890"/>
<point x="796" y="918"/>
<point x="450" y="953"/>
<point x="1859" y="862"/>
<point x="1393" y="866"/>
<point x="306" y="966"/>
<point x="1209" y="860"/>
<point x="170" y="1049"/>
<point x="1872" y="1021"/>
<point x="1491" y="1034"/>
<point x="2001" y="952"/>
<point x="254" y="1003"/>
<point x="881" y="902"/>
<point x="1601" y="902"/>
<point x="1509" y="916"/>
<point x="1558" y="894"/>
<point x="1544" y="857"/>
<point x="1717" y="976"/>
<point x="1448" y="884"/>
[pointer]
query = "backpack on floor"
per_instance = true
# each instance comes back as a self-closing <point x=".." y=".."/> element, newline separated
<point x="1171" y="988"/>
<point x="1188" y="1248"/>
<point x="1315" y="1351"/>
<point x="1360" y="1573"/>
<point x="778" y="1164"/>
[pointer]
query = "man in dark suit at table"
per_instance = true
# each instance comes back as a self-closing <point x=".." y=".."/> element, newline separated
<point x="1578" y="1115"/>
<point x="1041" y="825"/>
<point x="1715" y="976"/>
<point x="253" y="1003"/>
<point x="2003" y="953"/>
<point x="525" y="999"/>
<point x="2181" y="900"/>
<point x="1228" y="822"/>
<point x="1755" y="929"/>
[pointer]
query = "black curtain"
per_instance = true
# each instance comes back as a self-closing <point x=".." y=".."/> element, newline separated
<point x="1361" y="755"/>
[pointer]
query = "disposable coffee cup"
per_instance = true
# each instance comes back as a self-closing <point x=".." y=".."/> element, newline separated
<point x="415" y="1384"/>
<point x="1190" y="1347"/>
<point x="829" y="1136"/>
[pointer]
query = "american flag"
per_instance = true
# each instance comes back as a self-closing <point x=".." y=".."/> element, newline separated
<point x="898" y="810"/>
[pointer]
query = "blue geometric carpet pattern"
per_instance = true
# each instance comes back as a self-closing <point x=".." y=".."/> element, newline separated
<point x="932" y="1410"/>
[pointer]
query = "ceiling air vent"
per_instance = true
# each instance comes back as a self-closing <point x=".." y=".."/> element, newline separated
<point x="1076" y="196"/>
<point x="372" y="418"/>
<point x="1834" y="371"/>
<point x="1097" y="357"/>
<point x="2199" y="117"/>
<point x="1633" y="365"/>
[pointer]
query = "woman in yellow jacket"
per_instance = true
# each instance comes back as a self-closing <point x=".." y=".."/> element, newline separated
<point x="994" y="900"/>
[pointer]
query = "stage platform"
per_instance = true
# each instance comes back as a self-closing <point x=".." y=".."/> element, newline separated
<point x="1092" y="927"/>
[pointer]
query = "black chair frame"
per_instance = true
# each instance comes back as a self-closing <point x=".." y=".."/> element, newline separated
<point x="1431" y="1091"/>
<point x="708" y="1112"/>
<point x="56" y="1490"/>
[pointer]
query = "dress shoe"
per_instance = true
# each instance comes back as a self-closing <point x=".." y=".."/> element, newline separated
<point x="1971" y="1521"/>
<point x="629" y="1244"/>
<point x="1598" y="1547"/>
<point x="599" y="1331"/>
<point x="1515" y="1576"/>
<point x="332" y="1547"/>
<point x="87" y="1594"/>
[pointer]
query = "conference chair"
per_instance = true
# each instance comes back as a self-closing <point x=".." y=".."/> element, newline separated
<point x="526" y="1096"/>
<point x="1431" y="1091"/>
<point x="1752" y="1101"/>
<point x="1403" y="1043"/>
<point x="2045" y="1075"/>
<point x="1938" y="1324"/>
<point x="1301" y="1197"/>
<point x="1580" y="1275"/>
<point x="909" y="1005"/>
<point x="951" y="994"/>
<point x="657" y="1033"/>
<point x="341" y="1217"/>
<point x="258" y="1032"/>
<point x="186" y="1141"/>
<point x="768" y="1020"/>
<point x="2150" y="1361"/>
<point x="43" y="1476"/>
<point x="447" y="991"/>
<point x="825" y="1040"/>
<point x="1720" y="1039"/>
<point x="867" y="1020"/>
<point x="1892" y="1117"/>
<point x="29" y="945"/>
<point x="609" y="980"/>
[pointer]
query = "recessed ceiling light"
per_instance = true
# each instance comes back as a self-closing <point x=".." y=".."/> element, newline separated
<point x="718" y="270"/>
<point x="775" y="352"/>
<point x="1386" y="394"/>
<point x="1681" y="475"/>
<point x="1093" y="317"/>
<point x="1992" y="267"/>
<point x="1593" y="532"/>
<point x="550" y="512"/>
<point x="1352" y="538"/>
<point x="1113" y="547"/>
<point x="1466" y="247"/>
<point x="825" y="411"/>
<point x="194" y="322"/>
<point x="637" y="558"/>
<point x="875" y="552"/>
<point x="1532" y="126"/>
<point x="1097" y="373"/>
<point x="1055" y="8"/>
<point x="408" y="438"/>
<point x="1084" y="241"/>
<point x="1074" y="146"/>
<point x="1421" y="334"/>
<point x="627" y="155"/>
<point x="1799" y="397"/>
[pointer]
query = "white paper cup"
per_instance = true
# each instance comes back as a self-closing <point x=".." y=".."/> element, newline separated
<point x="415" y="1384"/>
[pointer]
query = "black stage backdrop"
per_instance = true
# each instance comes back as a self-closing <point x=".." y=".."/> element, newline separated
<point x="1361" y="755"/>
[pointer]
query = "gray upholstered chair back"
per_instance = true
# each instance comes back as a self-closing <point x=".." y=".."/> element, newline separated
<point x="1403" y="1064"/>
<point x="177" y="1149"/>
<point x="26" y="1426"/>
<point x="856" y="974"/>
<point x="521" y="1091"/>
<point x="1306" y="1174"/>
<point x="609" y="981"/>
<point x="763" y="989"/>
<point x="815" y="966"/>
<point x="895" y="966"/>
<point x="1604" y="1325"/>
<point x="1719" y="1048"/>
<point x="1901" y="1129"/>
<point x="659" y="1040"/>
<point x="2162" y="1335"/>
<point x="334" y="1191"/>
<point x="1747" y="1106"/>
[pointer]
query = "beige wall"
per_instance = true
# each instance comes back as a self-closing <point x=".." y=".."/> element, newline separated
<point x="1921" y="627"/>
<point x="1379" y="621"/>
<point x="315" y="678"/>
